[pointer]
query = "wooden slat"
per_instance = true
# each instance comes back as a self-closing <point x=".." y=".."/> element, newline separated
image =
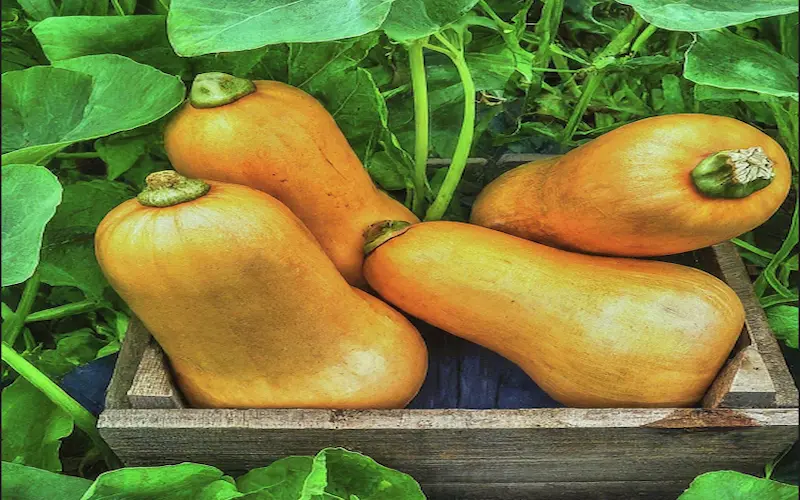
<point x="137" y="338"/>
<point x="601" y="490"/>
<point x="466" y="446"/>
<point x="749" y="386"/>
<point x="153" y="385"/>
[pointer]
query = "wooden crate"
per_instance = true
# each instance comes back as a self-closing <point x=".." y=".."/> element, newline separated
<point x="748" y="416"/>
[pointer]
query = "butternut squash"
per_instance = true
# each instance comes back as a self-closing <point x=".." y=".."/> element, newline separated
<point x="658" y="186"/>
<point x="278" y="139"/>
<point x="590" y="331"/>
<point x="248" y="308"/>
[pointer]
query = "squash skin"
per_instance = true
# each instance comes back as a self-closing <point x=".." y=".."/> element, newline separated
<point x="282" y="141"/>
<point x="591" y="331"/>
<point x="250" y="310"/>
<point x="630" y="193"/>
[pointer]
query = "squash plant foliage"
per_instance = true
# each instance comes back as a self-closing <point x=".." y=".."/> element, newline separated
<point x="87" y="86"/>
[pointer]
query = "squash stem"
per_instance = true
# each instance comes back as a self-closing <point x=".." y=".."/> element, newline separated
<point x="167" y="188"/>
<point x="464" y="144"/>
<point x="210" y="90"/>
<point x="421" y="124"/>
<point x="14" y="324"/>
<point x="380" y="232"/>
<point x="84" y="420"/>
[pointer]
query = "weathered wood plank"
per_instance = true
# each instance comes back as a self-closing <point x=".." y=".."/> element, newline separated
<point x="750" y="378"/>
<point x="600" y="490"/>
<point x="153" y="386"/>
<point x="467" y="446"/>
<point x="137" y="338"/>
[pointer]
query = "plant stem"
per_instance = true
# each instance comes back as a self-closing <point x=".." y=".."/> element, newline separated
<point x="84" y="420"/>
<point x="752" y="248"/>
<point x="7" y="312"/>
<point x="767" y="276"/>
<point x="545" y="32"/>
<point x="672" y="44"/>
<point x="464" y="144"/>
<point x="118" y="8"/>
<point x="589" y="88"/>
<point x="421" y="124"/>
<point x="91" y="154"/>
<point x="641" y="40"/>
<point x="615" y="47"/>
<point x="63" y="311"/>
<point x="13" y="325"/>
<point x="560" y="62"/>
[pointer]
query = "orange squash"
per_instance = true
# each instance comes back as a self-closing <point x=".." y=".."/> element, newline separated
<point x="658" y="186"/>
<point x="591" y="331"/>
<point x="248" y="308"/>
<point x="278" y="139"/>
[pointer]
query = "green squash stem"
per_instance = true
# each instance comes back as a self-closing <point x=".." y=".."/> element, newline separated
<point x="210" y="90"/>
<point x="167" y="188"/>
<point x="379" y="233"/>
<point x="735" y="173"/>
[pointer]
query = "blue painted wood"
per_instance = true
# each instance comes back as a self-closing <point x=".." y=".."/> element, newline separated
<point x="465" y="375"/>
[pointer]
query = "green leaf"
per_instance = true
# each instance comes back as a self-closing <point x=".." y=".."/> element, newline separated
<point x="732" y="485"/>
<point x="32" y="427"/>
<point x="29" y="483"/>
<point x="282" y="479"/>
<point x="783" y="321"/>
<point x="701" y="15"/>
<point x="351" y="473"/>
<point x="48" y="108"/>
<point x="332" y="473"/>
<point x="412" y="19"/>
<point x="68" y="249"/>
<point x="38" y="9"/>
<point x="197" y="27"/>
<point x="708" y="93"/>
<point x="121" y="153"/>
<point x="79" y="347"/>
<point x="30" y="195"/>
<point x="724" y="60"/>
<point x="184" y="481"/>
<point x="141" y="38"/>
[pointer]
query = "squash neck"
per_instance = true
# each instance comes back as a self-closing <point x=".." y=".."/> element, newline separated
<point x="735" y="173"/>
<point x="210" y="90"/>
<point x="380" y="232"/>
<point x="168" y="188"/>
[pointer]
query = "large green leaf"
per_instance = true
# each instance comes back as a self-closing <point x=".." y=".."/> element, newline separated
<point x="701" y="15"/>
<point x="198" y="27"/>
<point x="332" y="473"/>
<point x="68" y="248"/>
<point x="30" y="196"/>
<point x="142" y="38"/>
<point x="185" y="481"/>
<point x="32" y="427"/>
<point x="29" y="483"/>
<point x="48" y="108"/>
<point x="283" y="478"/>
<point x="732" y="485"/>
<point x="410" y="19"/>
<point x="724" y="60"/>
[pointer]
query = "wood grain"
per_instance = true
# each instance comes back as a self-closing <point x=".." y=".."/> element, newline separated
<point x="152" y="386"/>
<point x="467" y="446"/>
